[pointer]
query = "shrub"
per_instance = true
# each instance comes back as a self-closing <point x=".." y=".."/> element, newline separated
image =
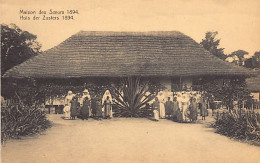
<point x="243" y="126"/>
<point x="131" y="98"/>
<point x="21" y="120"/>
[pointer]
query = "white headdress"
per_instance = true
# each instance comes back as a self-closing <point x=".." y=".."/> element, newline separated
<point x="107" y="93"/>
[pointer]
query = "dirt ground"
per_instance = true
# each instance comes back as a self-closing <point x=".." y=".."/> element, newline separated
<point x="127" y="140"/>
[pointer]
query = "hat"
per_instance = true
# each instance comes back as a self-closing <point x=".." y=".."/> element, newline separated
<point x="85" y="91"/>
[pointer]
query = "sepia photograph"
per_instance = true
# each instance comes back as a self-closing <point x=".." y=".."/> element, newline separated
<point x="135" y="81"/>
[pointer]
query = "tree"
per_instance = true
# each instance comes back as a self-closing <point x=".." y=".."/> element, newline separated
<point x="211" y="44"/>
<point x="239" y="56"/>
<point x="254" y="61"/>
<point x="16" y="46"/>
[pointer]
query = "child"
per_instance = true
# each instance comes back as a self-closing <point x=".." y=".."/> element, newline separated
<point x="156" y="108"/>
<point x="66" y="110"/>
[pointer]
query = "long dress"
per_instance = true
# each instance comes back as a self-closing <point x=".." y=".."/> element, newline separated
<point x="107" y="93"/>
<point x="203" y="109"/>
<point x="94" y="106"/>
<point x="74" y="108"/>
<point x="108" y="107"/>
<point x="193" y="111"/>
<point x="161" y="101"/>
<point x="99" y="109"/>
<point x="82" y="100"/>
<point x="185" y="105"/>
<point x="156" y="108"/>
<point x="66" y="110"/>
<point x="168" y="108"/>
<point x="85" y="109"/>
<point x="175" y="109"/>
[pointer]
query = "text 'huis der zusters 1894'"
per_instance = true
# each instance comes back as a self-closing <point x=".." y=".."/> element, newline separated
<point x="50" y="14"/>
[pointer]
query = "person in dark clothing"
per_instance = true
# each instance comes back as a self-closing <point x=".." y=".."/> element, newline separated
<point x="94" y="107"/>
<point x="175" y="108"/>
<point x="85" y="108"/>
<point x="168" y="108"/>
<point x="204" y="108"/>
<point x="74" y="108"/>
<point x="193" y="110"/>
<point x="99" y="110"/>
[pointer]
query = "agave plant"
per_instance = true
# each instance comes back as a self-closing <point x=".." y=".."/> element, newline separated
<point x="131" y="97"/>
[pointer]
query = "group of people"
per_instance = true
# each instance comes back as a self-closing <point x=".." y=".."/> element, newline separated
<point x="183" y="108"/>
<point x="85" y="107"/>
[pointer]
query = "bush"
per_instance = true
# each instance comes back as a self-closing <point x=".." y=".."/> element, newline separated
<point x="242" y="126"/>
<point x="21" y="120"/>
<point x="131" y="98"/>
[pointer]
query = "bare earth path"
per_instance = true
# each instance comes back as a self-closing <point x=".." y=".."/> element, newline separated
<point x="127" y="140"/>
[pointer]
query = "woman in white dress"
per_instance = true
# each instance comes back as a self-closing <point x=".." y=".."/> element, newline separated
<point x="161" y="99"/>
<point x="107" y="93"/>
<point x="156" y="108"/>
<point x="185" y="106"/>
<point x="66" y="109"/>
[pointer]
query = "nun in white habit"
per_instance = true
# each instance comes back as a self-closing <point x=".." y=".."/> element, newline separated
<point x="105" y="96"/>
<point x="161" y="99"/>
<point x="66" y="109"/>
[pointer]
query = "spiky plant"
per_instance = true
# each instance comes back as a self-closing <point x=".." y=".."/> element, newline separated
<point x="131" y="97"/>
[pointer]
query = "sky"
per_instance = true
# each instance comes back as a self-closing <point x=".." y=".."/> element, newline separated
<point x="237" y="21"/>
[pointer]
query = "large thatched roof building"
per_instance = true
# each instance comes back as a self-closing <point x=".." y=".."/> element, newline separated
<point x="166" y="55"/>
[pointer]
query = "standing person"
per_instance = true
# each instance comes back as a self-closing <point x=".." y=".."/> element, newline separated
<point x="168" y="108"/>
<point x="175" y="108"/>
<point x="85" y="94"/>
<point x="68" y="98"/>
<point x="85" y="108"/>
<point x="185" y="105"/>
<point x="156" y="109"/>
<point x="99" y="110"/>
<point x="204" y="108"/>
<point x="67" y="101"/>
<point x="94" y="107"/>
<point x="107" y="106"/>
<point x="161" y="102"/>
<point x="66" y="110"/>
<point x="193" y="109"/>
<point x="74" y="107"/>
<point x="107" y="93"/>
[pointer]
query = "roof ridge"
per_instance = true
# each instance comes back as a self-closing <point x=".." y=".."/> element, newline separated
<point x="134" y="33"/>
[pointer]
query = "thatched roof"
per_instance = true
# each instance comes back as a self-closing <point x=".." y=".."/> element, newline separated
<point x="117" y="54"/>
<point x="253" y="83"/>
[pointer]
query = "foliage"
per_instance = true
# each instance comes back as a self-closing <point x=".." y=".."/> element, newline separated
<point x="226" y="90"/>
<point x="211" y="44"/>
<point x="245" y="126"/>
<point x="254" y="61"/>
<point x="18" y="119"/>
<point x="131" y="97"/>
<point x="35" y="92"/>
<point x="16" y="46"/>
<point x="238" y="56"/>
